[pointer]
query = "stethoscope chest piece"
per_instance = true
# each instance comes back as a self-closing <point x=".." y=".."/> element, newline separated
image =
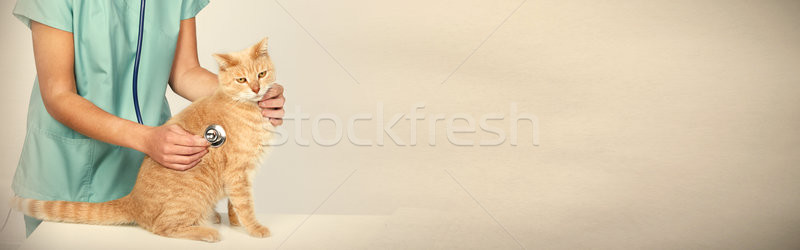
<point x="215" y="135"/>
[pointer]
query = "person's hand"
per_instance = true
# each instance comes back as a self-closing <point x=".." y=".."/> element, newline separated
<point x="272" y="105"/>
<point x="173" y="147"/>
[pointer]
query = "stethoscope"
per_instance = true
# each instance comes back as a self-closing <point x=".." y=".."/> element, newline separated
<point x="213" y="133"/>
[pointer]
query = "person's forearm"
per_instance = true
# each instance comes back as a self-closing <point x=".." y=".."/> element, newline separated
<point x="195" y="83"/>
<point x="81" y="115"/>
<point x="53" y="52"/>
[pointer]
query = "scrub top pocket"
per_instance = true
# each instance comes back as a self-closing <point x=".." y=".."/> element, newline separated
<point x="57" y="167"/>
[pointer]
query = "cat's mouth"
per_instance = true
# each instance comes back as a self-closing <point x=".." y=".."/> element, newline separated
<point x="255" y="97"/>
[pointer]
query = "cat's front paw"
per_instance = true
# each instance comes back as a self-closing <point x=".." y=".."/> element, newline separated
<point x="259" y="231"/>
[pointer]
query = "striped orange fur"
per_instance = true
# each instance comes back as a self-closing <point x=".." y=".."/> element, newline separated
<point x="179" y="203"/>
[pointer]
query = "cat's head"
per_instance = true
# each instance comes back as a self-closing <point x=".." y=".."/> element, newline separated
<point x="246" y="75"/>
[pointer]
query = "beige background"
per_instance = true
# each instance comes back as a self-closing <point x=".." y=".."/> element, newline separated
<point x="663" y="124"/>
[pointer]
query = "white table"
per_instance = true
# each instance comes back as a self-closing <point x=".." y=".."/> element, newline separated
<point x="404" y="228"/>
<point x="51" y="235"/>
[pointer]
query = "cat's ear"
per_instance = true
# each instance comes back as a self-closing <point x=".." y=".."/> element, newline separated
<point x="224" y="60"/>
<point x="260" y="49"/>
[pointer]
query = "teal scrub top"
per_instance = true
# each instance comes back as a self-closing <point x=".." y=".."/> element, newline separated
<point x="58" y="163"/>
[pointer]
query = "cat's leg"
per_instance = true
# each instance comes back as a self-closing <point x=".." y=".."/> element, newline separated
<point x="232" y="217"/>
<point x="179" y="220"/>
<point x="240" y="194"/>
<point x="210" y="217"/>
<point x="202" y="233"/>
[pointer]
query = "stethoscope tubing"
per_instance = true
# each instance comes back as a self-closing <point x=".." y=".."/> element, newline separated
<point x="136" y="65"/>
<point x="214" y="133"/>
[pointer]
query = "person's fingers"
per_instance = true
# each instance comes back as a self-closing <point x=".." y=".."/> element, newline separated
<point x="179" y="159"/>
<point x="187" y="159"/>
<point x="197" y="141"/>
<point x="180" y="136"/>
<point x="273" y="102"/>
<point x="273" y="92"/>
<point x="182" y="163"/>
<point x="187" y="140"/>
<point x="193" y="164"/>
<point x="171" y="166"/>
<point x="179" y="167"/>
<point x="276" y="121"/>
<point x="183" y="167"/>
<point x="273" y="113"/>
<point x="198" y="155"/>
<point x="182" y="150"/>
<point x="179" y="139"/>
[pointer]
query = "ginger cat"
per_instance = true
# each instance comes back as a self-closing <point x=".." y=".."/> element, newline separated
<point x="179" y="203"/>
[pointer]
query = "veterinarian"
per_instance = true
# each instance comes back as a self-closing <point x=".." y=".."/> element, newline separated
<point x="83" y="142"/>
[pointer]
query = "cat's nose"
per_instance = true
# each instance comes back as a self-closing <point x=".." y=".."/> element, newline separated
<point x="255" y="88"/>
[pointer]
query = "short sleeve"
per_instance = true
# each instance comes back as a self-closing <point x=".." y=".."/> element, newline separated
<point x="53" y="13"/>
<point x="190" y="8"/>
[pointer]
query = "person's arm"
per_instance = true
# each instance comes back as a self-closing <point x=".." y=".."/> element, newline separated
<point x="191" y="81"/>
<point x="54" y="53"/>
<point x="187" y="78"/>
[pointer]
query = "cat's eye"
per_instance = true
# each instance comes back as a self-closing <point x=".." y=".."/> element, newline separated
<point x="262" y="74"/>
<point x="241" y="80"/>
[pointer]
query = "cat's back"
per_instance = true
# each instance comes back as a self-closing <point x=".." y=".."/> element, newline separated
<point x="200" y="112"/>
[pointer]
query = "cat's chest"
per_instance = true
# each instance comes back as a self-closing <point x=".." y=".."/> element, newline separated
<point x="248" y="132"/>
